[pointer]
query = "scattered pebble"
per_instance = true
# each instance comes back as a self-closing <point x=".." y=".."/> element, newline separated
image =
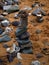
<point x="38" y="31"/>
<point x="35" y="62"/>
<point x="39" y="55"/>
<point x="4" y="13"/>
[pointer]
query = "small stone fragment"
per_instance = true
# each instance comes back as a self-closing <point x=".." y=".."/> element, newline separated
<point x="4" y="13"/>
<point x="16" y="16"/>
<point x="35" y="62"/>
<point x="39" y="55"/>
<point x="5" y="23"/>
<point x="19" y="63"/>
<point x="27" y="51"/>
<point x="2" y="18"/>
<point x="10" y="58"/>
<point x="38" y="31"/>
<point x="1" y="5"/>
<point x="5" y="38"/>
<point x="36" y="11"/>
<point x="20" y="31"/>
<point x="23" y="36"/>
<point x="23" y="41"/>
<point x="36" y="4"/>
<point x="5" y="45"/>
<point x="7" y="31"/>
<point x="15" y="23"/>
<point x="27" y="8"/>
<point x="39" y="17"/>
<point x="1" y="31"/>
<point x="16" y="1"/>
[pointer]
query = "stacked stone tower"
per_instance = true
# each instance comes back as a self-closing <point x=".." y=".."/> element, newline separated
<point x="22" y="34"/>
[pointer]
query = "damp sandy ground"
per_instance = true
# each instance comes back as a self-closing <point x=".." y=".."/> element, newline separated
<point x="37" y="39"/>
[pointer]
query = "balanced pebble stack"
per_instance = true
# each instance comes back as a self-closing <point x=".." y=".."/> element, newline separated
<point x="22" y="34"/>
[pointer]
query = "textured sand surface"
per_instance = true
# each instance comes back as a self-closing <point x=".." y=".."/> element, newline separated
<point x="37" y="39"/>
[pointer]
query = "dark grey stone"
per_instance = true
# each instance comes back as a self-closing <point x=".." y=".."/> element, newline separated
<point x="29" y="45"/>
<point x="24" y="36"/>
<point x="42" y="4"/>
<point x="40" y="20"/>
<point x="1" y="62"/>
<point x="39" y="55"/>
<point x="15" y="23"/>
<point x="44" y="49"/>
<point x="5" y="38"/>
<point x="27" y="51"/>
<point x="1" y="5"/>
<point x="19" y="63"/>
<point x="2" y="18"/>
<point x="5" y="45"/>
<point x="39" y="10"/>
<point x="16" y="1"/>
<point x="38" y="4"/>
<point x="23" y="19"/>
<point x="20" y="31"/>
<point x="23" y="41"/>
<point x="10" y="58"/>
<point x="1" y="31"/>
<point x="12" y="9"/>
<point x="35" y="4"/>
<point x="23" y="22"/>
